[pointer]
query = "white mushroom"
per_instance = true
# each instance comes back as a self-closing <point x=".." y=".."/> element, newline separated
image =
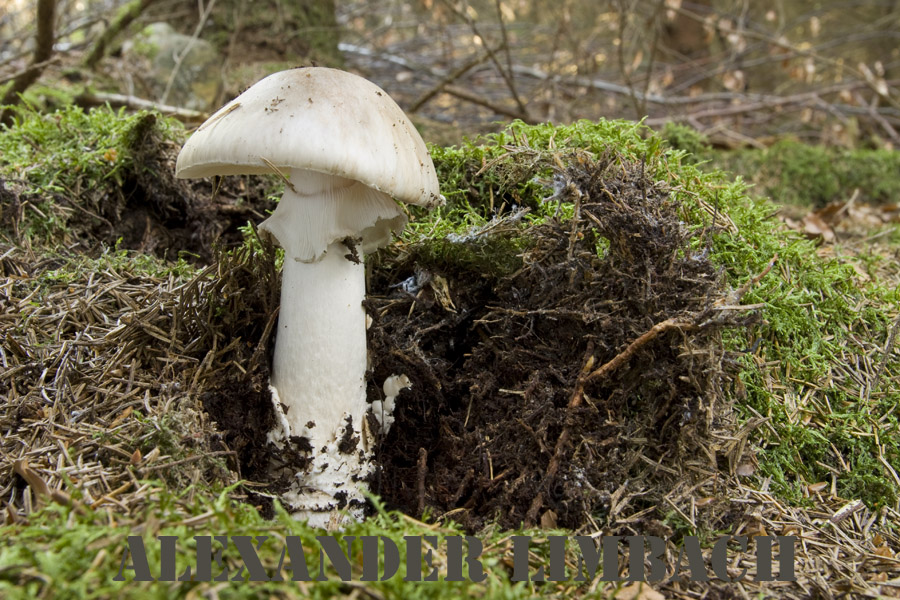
<point x="347" y="150"/>
<point x="384" y="409"/>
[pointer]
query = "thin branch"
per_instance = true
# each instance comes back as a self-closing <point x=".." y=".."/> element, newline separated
<point x="507" y="76"/>
<point x="624" y="13"/>
<point x="89" y="99"/>
<point x="437" y="89"/>
<point x="643" y="340"/>
<point x="468" y="96"/>
<point x="41" y="65"/>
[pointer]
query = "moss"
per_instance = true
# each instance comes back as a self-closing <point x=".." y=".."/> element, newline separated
<point x="825" y="415"/>
<point x="790" y="172"/>
<point x="72" y="163"/>
<point x="687" y="139"/>
<point x="66" y="552"/>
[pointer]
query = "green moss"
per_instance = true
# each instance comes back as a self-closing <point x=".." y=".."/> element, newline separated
<point x="790" y="172"/>
<point x="826" y="416"/>
<point x="73" y="163"/>
<point x="65" y="552"/>
<point x="687" y="139"/>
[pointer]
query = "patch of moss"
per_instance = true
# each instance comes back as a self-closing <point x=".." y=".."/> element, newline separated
<point x="72" y="163"/>
<point x="791" y="172"/>
<point x="78" y="551"/>
<point x="687" y="139"/>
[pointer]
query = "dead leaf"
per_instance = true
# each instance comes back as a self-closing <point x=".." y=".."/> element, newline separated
<point x="548" y="520"/>
<point x="121" y="418"/>
<point x="745" y="469"/>
<point x="31" y="477"/>
<point x="815" y="227"/>
<point x="815" y="488"/>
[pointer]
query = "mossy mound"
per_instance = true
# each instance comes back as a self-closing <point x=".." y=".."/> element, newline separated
<point x="75" y="178"/>
<point x="597" y="364"/>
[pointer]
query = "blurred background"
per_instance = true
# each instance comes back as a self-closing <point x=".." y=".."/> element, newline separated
<point x="743" y="73"/>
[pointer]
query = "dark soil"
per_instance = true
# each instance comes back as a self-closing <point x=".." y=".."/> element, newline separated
<point x="501" y="405"/>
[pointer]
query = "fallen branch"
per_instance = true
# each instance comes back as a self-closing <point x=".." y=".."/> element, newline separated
<point x="468" y="96"/>
<point x="89" y="99"/>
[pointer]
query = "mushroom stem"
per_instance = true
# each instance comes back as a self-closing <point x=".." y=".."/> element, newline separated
<point x="319" y="372"/>
<point x="319" y="365"/>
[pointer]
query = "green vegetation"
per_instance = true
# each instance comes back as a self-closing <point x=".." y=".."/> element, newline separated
<point x="791" y="172"/>
<point x="74" y="165"/>
<point x="81" y="552"/>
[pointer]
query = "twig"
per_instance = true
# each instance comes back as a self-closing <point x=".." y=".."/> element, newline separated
<point x="563" y="439"/>
<point x="89" y="99"/>
<point x="505" y="46"/>
<point x="654" y="49"/>
<point x="507" y="76"/>
<point x="468" y="96"/>
<point x="886" y="353"/>
<point x="634" y="346"/>
<point x="731" y="300"/>
<point x="422" y="469"/>
<point x="187" y="460"/>
<point x="615" y="88"/>
<point x="624" y="13"/>
<point x="41" y="65"/>
<point x="453" y="76"/>
<point x="839" y="63"/>
<point x="369" y="53"/>
<point x="887" y="127"/>
<point x="741" y="291"/>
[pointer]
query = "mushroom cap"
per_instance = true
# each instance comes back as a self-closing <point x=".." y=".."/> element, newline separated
<point x="317" y="119"/>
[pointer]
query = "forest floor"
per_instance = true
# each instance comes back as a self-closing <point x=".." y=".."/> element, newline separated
<point x="653" y="352"/>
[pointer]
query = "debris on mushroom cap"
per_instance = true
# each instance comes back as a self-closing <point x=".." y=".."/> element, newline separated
<point x="317" y="119"/>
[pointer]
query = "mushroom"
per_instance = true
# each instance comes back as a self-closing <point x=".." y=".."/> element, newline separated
<point x="346" y="151"/>
<point x="384" y="409"/>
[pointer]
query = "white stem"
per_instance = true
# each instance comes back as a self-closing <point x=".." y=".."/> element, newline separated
<point x="319" y="374"/>
<point x="319" y="368"/>
<point x="320" y="353"/>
